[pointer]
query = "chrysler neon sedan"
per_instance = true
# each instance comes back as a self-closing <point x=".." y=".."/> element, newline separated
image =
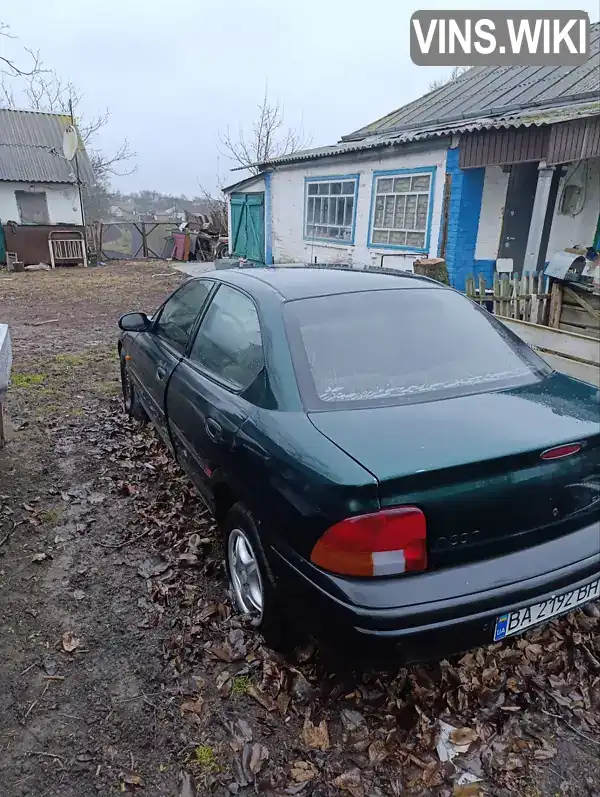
<point x="384" y="458"/>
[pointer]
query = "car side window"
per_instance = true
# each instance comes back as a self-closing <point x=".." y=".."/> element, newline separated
<point x="179" y="313"/>
<point x="229" y="343"/>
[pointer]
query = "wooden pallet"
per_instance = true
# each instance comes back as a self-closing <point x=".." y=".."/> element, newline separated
<point x="524" y="297"/>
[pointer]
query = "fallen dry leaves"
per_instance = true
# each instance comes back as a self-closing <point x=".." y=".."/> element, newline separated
<point x="303" y="771"/>
<point x="70" y="642"/>
<point x="315" y="736"/>
<point x="463" y="736"/>
<point x="377" y="733"/>
<point x="351" y="782"/>
<point x="193" y="707"/>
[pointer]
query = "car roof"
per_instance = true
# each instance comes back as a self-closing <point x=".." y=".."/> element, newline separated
<point x="292" y="282"/>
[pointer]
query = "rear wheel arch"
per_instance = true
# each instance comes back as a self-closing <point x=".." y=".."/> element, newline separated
<point x="224" y="499"/>
<point x="274" y="622"/>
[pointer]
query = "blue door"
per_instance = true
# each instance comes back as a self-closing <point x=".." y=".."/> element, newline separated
<point x="248" y="226"/>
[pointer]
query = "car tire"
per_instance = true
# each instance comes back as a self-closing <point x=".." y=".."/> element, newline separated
<point x="131" y="402"/>
<point x="254" y="590"/>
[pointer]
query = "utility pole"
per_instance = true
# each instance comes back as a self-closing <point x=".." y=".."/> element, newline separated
<point x="77" y="166"/>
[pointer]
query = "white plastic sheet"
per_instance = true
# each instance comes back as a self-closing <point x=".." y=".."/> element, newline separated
<point x="5" y="359"/>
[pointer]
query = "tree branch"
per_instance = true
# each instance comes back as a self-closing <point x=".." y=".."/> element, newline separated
<point x="268" y="138"/>
<point x="9" y="67"/>
<point x="457" y="72"/>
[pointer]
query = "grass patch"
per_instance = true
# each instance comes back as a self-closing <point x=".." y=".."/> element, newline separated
<point x="109" y="388"/>
<point x="50" y="516"/>
<point x="26" y="380"/>
<point x="71" y="359"/>
<point x="206" y="759"/>
<point x="240" y="685"/>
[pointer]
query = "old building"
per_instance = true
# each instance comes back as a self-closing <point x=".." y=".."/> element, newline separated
<point x="39" y="187"/>
<point x="495" y="170"/>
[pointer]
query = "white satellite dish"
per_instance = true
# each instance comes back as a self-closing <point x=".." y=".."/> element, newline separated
<point x="70" y="142"/>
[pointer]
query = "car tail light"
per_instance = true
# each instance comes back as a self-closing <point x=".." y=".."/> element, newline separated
<point x="561" y="451"/>
<point x="380" y="544"/>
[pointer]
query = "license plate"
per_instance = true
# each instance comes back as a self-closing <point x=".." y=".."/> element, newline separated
<point x="521" y="619"/>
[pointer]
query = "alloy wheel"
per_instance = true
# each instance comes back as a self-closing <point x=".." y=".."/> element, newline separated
<point x="246" y="581"/>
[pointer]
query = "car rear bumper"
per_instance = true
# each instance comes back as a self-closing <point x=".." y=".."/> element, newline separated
<point x="434" y="614"/>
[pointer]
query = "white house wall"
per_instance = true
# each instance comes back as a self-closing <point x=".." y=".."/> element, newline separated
<point x="287" y="188"/>
<point x="492" y="209"/>
<point x="256" y="188"/>
<point x="569" y="230"/>
<point x="62" y="199"/>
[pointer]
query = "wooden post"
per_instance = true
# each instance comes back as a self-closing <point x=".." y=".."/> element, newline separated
<point x="505" y="294"/>
<point x="526" y="294"/>
<point x="534" y="308"/>
<point x="496" y="293"/>
<point x="543" y="292"/>
<point x="516" y="286"/>
<point x="100" y="230"/>
<point x="481" y="290"/>
<point x="556" y="297"/>
<point x="470" y="287"/>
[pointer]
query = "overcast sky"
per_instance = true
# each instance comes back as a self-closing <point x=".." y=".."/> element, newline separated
<point x="176" y="72"/>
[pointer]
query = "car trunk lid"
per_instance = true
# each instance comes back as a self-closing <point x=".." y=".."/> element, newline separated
<point x="473" y="464"/>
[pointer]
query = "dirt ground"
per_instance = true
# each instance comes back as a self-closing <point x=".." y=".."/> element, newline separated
<point x="122" y="665"/>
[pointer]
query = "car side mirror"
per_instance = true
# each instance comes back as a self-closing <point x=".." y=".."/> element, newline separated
<point x="134" y="322"/>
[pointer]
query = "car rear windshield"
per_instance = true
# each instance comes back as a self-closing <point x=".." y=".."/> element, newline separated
<point x="401" y="346"/>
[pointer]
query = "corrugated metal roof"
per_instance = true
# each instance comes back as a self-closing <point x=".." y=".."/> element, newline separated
<point x="517" y="119"/>
<point x="495" y="90"/>
<point x="31" y="148"/>
<point x="247" y="181"/>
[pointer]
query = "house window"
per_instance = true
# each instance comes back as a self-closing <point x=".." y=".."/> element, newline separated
<point x="329" y="208"/>
<point x="401" y="209"/>
<point x="33" y="207"/>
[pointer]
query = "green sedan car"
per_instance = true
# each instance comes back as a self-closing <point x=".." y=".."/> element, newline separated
<point x="385" y="459"/>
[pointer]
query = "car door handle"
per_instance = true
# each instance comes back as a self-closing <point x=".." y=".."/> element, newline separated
<point x="160" y="373"/>
<point x="213" y="430"/>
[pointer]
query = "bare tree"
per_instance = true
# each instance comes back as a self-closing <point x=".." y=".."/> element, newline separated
<point x="268" y="138"/>
<point x="457" y="72"/>
<point x="10" y="68"/>
<point x="46" y="91"/>
<point x="217" y="209"/>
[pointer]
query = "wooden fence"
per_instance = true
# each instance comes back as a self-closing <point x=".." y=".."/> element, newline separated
<point x="524" y="297"/>
<point x="561" y="321"/>
<point x="537" y="299"/>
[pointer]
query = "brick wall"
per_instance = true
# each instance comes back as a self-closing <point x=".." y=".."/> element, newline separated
<point x="464" y="209"/>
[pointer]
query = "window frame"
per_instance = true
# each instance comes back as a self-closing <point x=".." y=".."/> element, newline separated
<point x="417" y="170"/>
<point x="192" y="333"/>
<point x="216" y="378"/>
<point x="331" y="178"/>
<point x="20" y="194"/>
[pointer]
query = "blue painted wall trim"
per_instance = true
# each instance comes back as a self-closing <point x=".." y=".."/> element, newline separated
<point x="485" y="267"/>
<point x="464" y="209"/>
<point x="398" y="247"/>
<point x="268" y="220"/>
